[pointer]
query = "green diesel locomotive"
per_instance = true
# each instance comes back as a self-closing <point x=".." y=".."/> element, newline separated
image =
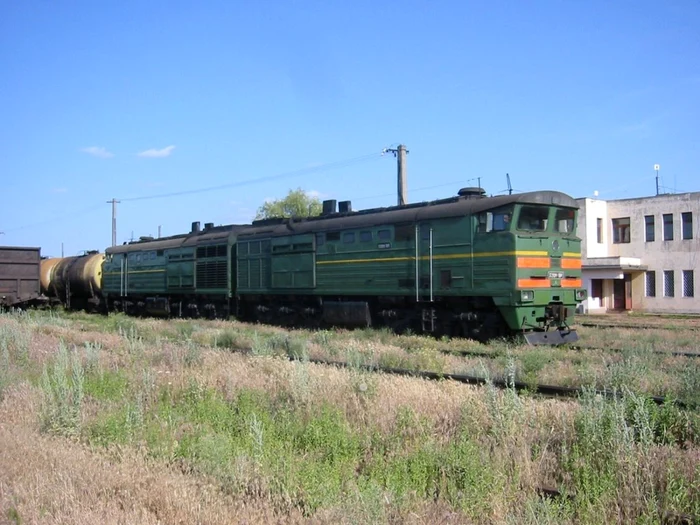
<point x="470" y="265"/>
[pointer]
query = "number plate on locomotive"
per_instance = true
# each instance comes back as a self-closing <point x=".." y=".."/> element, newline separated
<point x="555" y="275"/>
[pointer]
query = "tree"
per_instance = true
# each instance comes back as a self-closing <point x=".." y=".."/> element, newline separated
<point x="297" y="203"/>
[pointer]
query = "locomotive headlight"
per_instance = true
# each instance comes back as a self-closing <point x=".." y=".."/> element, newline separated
<point x="527" y="296"/>
<point x="580" y="295"/>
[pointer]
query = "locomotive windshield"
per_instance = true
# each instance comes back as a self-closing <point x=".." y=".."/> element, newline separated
<point x="533" y="218"/>
<point x="537" y="219"/>
<point x="565" y="220"/>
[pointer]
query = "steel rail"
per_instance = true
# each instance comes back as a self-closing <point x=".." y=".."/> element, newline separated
<point x="637" y="326"/>
<point x="493" y="355"/>
<point x="545" y="390"/>
<point x="672" y="353"/>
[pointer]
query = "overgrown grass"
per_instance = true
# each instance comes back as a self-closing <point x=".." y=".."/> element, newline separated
<point x="353" y="446"/>
<point x="62" y="387"/>
<point x="312" y="456"/>
<point x="637" y="368"/>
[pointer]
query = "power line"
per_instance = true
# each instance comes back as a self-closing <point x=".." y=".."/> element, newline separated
<point x="302" y="171"/>
<point x="460" y="181"/>
<point x="312" y="169"/>
<point x="55" y="219"/>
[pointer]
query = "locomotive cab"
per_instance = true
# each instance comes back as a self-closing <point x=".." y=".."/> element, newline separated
<point x="548" y="272"/>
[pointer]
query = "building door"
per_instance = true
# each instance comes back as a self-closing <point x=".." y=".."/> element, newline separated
<point x="618" y="294"/>
<point x="628" y="291"/>
<point x="597" y="291"/>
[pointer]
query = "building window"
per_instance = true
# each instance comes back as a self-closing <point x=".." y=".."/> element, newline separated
<point x="668" y="283"/>
<point x="688" y="283"/>
<point x="621" y="230"/>
<point x="599" y="230"/>
<point x="597" y="289"/>
<point x="668" y="226"/>
<point x="687" y="221"/>
<point x="649" y="228"/>
<point x="651" y="284"/>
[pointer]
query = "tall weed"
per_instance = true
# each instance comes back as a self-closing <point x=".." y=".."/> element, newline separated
<point x="62" y="388"/>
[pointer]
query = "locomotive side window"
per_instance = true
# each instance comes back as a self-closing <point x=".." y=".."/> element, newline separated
<point x="565" y="220"/>
<point x="348" y="237"/>
<point x="495" y="221"/>
<point x="533" y="218"/>
<point x="485" y="222"/>
<point x="384" y="235"/>
<point x="501" y="221"/>
<point x="404" y="232"/>
<point x="333" y="236"/>
<point x="365" y="236"/>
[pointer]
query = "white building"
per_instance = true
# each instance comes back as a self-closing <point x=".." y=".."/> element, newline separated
<point x="641" y="254"/>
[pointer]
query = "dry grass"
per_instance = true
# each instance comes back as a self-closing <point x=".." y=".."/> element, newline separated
<point x="517" y="444"/>
<point x="47" y="480"/>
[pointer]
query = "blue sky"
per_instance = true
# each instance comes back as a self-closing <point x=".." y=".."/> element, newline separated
<point x="136" y="99"/>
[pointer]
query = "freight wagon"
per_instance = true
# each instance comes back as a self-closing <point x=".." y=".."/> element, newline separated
<point x="19" y="276"/>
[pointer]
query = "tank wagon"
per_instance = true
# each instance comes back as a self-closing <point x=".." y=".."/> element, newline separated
<point x="75" y="282"/>
<point x="19" y="276"/>
<point x="469" y="265"/>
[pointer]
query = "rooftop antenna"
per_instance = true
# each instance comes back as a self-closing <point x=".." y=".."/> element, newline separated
<point x="510" y="189"/>
<point x="656" y="169"/>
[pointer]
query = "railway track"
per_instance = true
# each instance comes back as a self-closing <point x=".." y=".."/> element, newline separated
<point x="520" y="386"/>
<point x="493" y="355"/>
<point x="638" y="326"/>
<point x="690" y="355"/>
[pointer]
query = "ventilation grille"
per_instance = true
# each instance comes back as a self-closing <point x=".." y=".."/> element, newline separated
<point x="211" y="274"/>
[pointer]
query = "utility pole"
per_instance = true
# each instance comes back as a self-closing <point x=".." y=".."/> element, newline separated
<point x="159" y="231"/>
<point x="400" y="154"/>
<point x="114" y="220"/>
